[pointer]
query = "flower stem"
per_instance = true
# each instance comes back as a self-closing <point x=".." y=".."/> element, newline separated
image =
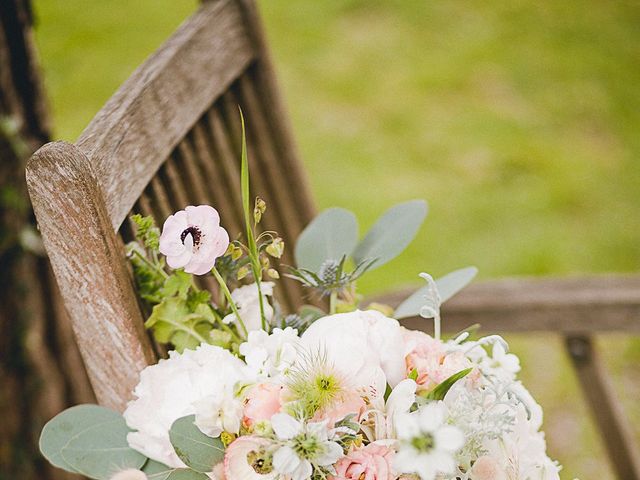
<point x="332" y="302"/>
<point x="227" y="295"/>
<point x="226" y="327"/>
<point x="152" y="265"/>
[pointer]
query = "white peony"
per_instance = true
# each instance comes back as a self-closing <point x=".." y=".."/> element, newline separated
<point x="247" y="300"/>
<point x="200" y="382"/>
<point x="365" y="346"/>
<point x="271" y="355"/>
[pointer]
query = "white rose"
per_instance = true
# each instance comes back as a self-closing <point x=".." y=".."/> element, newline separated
<point x="176" y="387"/>
<point x="363" y="345"/>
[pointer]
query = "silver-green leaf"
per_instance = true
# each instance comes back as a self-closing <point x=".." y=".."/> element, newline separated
<point x="392" y="233"/>
<point x="195" y="449"/>
<point x="89" y="440"/>
<point x="448" y="286"/>
<point x="330" y="236"/>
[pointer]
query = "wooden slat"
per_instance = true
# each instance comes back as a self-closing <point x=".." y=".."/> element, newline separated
<point x="617" y="437"/>
<point x="263" y="74"/>
<point x="141" y="124"/>
<point x="571" y="305"/>
<point x="90" y="268"/>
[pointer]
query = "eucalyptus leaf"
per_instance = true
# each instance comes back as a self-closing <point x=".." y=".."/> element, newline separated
<point x="89" y="440"/>
<point x="392" y="233"/>
<point x="177" y="474"/>
<point x="156" y="468"/>
<point x="194" y="448"/>
<point x="330" y="236"/>
<point x="448" y="286"/>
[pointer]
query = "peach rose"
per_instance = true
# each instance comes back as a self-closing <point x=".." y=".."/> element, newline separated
<point x="487" y="468"/>
<point x="264" y="401"/>
<point x="372" y="462"/>
<point x="429" y="358"/>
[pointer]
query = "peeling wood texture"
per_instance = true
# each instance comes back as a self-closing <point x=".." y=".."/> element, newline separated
<point x="41" y="371"/>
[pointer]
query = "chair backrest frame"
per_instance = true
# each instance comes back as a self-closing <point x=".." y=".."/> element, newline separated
<point x="175" y="117"/>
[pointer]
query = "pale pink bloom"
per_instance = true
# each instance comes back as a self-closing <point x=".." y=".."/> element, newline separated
<point x="262" y="403"/>
<point x="218" y="472"/>
<point x="430" y="359"/>
<point x="129" y="474"/>
<point x="487" y="468"/>
<point x="349" y="403"/>
<point x="372" y="462"/>
<point x="193" y="238"/>
<point x="240" y="453"/>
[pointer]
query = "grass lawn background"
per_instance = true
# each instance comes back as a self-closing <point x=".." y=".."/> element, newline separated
<point x="518" y="122"/>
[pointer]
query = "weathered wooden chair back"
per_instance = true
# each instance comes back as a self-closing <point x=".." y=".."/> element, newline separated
<point x="169" y="137"/>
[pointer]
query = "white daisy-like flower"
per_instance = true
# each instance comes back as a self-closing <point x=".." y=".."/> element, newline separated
<point x="305" y="446"/>
<point x="427" y="445"/>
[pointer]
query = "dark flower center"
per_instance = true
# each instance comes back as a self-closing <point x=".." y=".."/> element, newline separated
<point x="195" y="233"/>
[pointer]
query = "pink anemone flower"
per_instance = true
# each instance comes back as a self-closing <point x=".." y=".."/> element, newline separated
<point x="193" y="238"/>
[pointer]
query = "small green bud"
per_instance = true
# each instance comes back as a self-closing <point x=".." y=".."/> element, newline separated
<point x="259" y="208"/>
<point x="226" y="438"/>
<point x="242" y="272"/>
<point x="264" y="261"/>
<point x="276" y="248"/>
<point x="273" y="273"/>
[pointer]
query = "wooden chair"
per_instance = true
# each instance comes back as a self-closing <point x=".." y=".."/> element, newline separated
<point x="170" y="137"/>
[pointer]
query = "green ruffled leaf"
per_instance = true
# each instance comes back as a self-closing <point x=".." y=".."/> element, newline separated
<point x="89" y="440"/>
<point x="172" y="321"/>
<point x="392" y="233"/>
<point x="448" y="286"/>
<point x="195" y="449"/>
<point x="441" y="390"/>
<point x="330" y="236"/>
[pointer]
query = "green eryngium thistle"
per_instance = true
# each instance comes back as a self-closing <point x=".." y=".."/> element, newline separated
<point x="314" y="384"/>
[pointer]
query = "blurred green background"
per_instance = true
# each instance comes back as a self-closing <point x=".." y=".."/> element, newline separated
<point x="518" y="121"/>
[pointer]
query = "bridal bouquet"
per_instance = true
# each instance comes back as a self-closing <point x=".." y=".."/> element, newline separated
<point x="249" y="392"/>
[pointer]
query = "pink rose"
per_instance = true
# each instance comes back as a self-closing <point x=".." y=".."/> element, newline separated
<point x="248" y="458"/>
<point x="193" y="238"/>
<point x="263" y="402"/>
<point x="429" y="358"/>
<point x="350" y="403"/>
<point x="487" y="468"/>
<point x="372" y="462"/>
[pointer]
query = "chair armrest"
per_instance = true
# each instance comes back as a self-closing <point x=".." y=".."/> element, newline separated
<point x="599" y="303"/>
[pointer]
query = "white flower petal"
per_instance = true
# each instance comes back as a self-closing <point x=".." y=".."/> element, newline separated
<point x="285" y="426"/>
<point x="332" y="453"/>
<point x="303" y="472"/>
<point x="449" y="438"/>
<point x="285" y="460"/>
